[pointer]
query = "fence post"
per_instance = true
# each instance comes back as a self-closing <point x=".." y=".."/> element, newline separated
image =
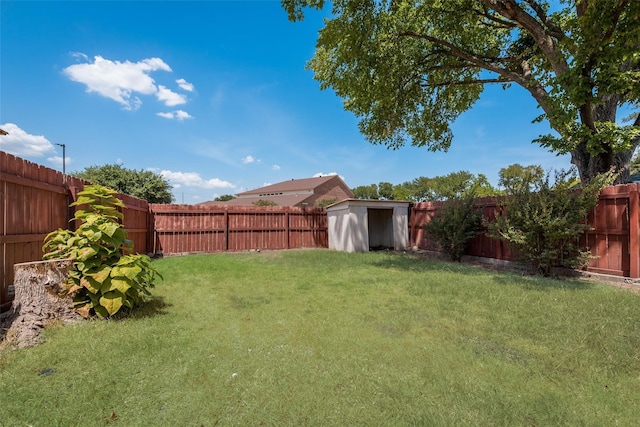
<point x="288" y="224"/>
<point x="634" y="232"/>
<point x="226" y="229"/>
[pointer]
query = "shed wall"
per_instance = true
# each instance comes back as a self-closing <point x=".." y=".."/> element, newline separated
<point x="401" y="227"/>
<point x="357" y="225"/>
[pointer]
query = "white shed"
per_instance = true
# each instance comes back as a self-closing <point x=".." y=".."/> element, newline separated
<point x="361" y="225"/>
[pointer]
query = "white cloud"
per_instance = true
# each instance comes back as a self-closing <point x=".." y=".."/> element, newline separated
<point x="324" y="174"/>
<point x="275" y="167"/>
<point x="181" y="115"/>
<point x="57" y="161"/>
<point x="193" y="179"/>
<point x="177" y="115"/>
<point x="248" y="159"/>
<point x="20" y="143"/>
<point x="170" y="98"/>
<point x="185" y="85"/>
<point x="117" y="80"/>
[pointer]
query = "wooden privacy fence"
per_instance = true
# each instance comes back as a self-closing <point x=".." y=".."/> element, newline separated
<point x="201" y="228"/>
<point x="614" y="240"/>
<point x="34" y="201"/>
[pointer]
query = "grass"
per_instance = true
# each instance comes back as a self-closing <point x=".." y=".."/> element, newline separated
<point x="317" y="337"/>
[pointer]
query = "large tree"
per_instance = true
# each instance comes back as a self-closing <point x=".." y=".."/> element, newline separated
<point x="146" y="185"/>
<point x="409" y="68"/>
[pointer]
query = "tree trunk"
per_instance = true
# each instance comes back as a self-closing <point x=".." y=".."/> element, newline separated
<point x="37" y="302"/>
<point x="590" y="166"/>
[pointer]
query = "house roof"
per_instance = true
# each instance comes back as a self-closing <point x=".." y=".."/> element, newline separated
<point x="293" y="192"/>
<point x="290" y="200"/>
<point x="3" y="132"/>
<point x="305" y="184"/>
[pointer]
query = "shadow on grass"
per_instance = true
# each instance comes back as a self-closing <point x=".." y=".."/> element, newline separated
<point x="539" y="283"/>
<point x="156" y="306"/>
<point x="507" y="275"/>
<point x="425" y="263"/>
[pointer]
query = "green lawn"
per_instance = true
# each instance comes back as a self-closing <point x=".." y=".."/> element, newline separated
<point x="317" y="337"/>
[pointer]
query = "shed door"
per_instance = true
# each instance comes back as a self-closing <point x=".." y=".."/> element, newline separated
<point x="380" y="222"/>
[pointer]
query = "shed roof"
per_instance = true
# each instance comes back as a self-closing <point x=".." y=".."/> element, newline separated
<point x="379" y="204"/>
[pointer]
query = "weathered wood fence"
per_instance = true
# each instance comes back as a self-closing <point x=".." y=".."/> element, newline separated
<point x="34" y="200"/>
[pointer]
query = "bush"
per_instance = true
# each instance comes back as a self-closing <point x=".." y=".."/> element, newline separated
<point x="105" y="276"/>
<point x="323" y="203"/>
<point x="544" y="220"/>
<point x="454" y="225"/>
<point x="264" y="202"/>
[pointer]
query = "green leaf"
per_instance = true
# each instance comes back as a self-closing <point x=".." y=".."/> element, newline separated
<point x="112" y="301"/>
<point x="86" y="253"/>
<point x="130" y="271"/>
<point x="109" y="228"/>
<point x="90" y="284"/>
<point x="101" y="275"/>
<point x="120" y="283"/>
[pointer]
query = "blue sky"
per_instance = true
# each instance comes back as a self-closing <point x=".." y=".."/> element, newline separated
<point x="214" y="95"/>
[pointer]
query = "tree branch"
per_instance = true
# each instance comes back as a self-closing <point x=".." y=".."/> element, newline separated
<point x="512" y="11"/>
<point x="554" y="29"/>
<point x="455" y="51"/>
<point x="466" y="82"/>
<point x="525" y="79"/>
<point x="500" y="23"/>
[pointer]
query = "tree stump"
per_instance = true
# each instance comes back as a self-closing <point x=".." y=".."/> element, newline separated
<point x="37" y="302"/>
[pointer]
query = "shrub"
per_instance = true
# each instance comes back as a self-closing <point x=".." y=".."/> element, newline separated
<point x="544" y="220"/>
<point x="264" y="202"/>
<point x="454" y="225"/>
<point x="105" y="276"/>
<point x="323" y="203"/>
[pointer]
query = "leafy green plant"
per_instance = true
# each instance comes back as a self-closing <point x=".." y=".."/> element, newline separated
<point x="323" y="203"/>
<point x="454" y="225"/>
<point x="105" y="276"/>
<point x="264" y="202"/>
<point x="544" y="219"/>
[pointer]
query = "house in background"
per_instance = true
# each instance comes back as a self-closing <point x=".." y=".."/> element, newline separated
<point x="295" y="192"/>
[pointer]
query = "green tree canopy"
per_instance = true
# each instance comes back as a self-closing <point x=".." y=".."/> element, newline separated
<point x="455" y="185"/>
<point x="368" y="192"/>
<point x="264" y="202"/>
<point x="224" y="198"/>
<point x="409" y="68"/>
<point x="517" y="178"/>
<point x="146" y="185"/>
